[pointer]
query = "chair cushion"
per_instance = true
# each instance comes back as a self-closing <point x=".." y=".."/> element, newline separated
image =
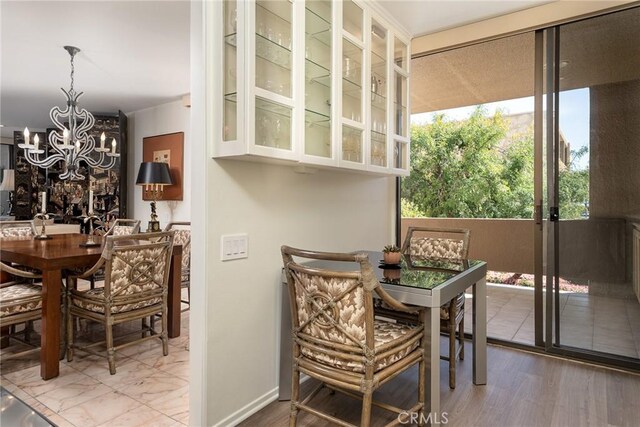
<point x="98" y="307"/>
<point x="11" y="297"/>
<point x="384" y="333"/>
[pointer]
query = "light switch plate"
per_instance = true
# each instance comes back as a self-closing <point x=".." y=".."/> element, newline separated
<point x="234" y="246"/>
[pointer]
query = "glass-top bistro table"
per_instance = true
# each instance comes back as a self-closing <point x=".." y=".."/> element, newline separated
<point x="423" y="282"/>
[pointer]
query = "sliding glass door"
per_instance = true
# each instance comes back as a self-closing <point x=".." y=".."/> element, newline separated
<point x="589" y="154"/>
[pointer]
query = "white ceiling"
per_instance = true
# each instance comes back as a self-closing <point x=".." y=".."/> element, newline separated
<point x="135" y="54"/>
<point x="429" y="16"/>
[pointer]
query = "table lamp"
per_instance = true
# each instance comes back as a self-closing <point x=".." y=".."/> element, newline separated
<point x="154" y="176"/>
<point x="8" y="184"/>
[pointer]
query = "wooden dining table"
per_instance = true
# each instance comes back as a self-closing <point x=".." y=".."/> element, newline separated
<point x="63" y="252"/>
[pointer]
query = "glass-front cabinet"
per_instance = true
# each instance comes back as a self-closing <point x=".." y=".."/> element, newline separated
<point x="315" y="82"/>
<point x="318" y="83"/>
<point x="400" y="106"/>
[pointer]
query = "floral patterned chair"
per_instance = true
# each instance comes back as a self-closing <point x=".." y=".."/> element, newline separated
<point x="120" y="227"/>
<point x="17" y="230"/>
<point x="135" y="288"/>
<point x="183" y="237"/>
<point x="20" y="302"/>
<point x="336" y="338"/>
<point x="445" y="244"/>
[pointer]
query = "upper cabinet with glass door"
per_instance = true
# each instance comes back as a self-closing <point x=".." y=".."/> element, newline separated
<point x="400" y="136"/>
<point x="352" y="84"/>
<point x="272" y="70"/>
<point x="317" y="82"/>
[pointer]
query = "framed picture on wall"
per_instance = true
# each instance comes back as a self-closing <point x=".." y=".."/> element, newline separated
<point x="168" y="149"/>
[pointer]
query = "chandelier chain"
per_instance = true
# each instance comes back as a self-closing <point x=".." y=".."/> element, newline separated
<point x="72" y="71"/>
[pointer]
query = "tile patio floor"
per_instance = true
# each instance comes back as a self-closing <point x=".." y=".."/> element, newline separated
<point x="606" y="324"/>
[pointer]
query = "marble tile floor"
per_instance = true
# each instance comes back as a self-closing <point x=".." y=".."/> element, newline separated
<point x="148" y="389"/>
<point x="606" y="324"/>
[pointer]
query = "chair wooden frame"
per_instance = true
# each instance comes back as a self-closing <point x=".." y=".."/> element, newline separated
<point x="115" y="297"/>
<point x="185" y="276"/>
<point x="361" y="384"/>
<point x="456" y="306"/>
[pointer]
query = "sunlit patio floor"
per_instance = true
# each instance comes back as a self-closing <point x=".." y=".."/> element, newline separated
<point x="606" y="324"/>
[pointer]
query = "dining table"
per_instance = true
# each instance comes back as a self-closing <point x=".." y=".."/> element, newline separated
<point x="63" y="252"/>
<point x="424" y="282"/>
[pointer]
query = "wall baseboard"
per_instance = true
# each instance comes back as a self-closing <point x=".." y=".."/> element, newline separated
<point x="249" y="409"/>
<point x="252" y="407"/>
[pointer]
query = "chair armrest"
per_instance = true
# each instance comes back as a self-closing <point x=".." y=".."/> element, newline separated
<point x="395" y="304"/>
<point x="89" y="272"/>
<point x="18" y="272"/>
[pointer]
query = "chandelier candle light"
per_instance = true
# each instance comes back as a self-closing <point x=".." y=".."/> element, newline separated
<point x="74" y="144"/>
<point x="43" y="216"/>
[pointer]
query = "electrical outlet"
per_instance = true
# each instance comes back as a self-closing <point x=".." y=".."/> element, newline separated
<point x="234" y="246"/>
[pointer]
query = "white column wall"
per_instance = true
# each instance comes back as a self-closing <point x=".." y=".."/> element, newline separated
<point x="235" y="314"/>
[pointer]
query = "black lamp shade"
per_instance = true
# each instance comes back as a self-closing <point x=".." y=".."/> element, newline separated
<point x="154" y="173"/>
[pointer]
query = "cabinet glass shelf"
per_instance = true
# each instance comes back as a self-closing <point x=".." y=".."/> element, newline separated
<point x="231" y="40"/>
<point x="316" y="73"/>
<point x="317" y="118"/>
<point x="272" y="107"/>
<point x="378" y="136"/>
<point x="378" y="101"/>
<point x="317" y="26"/>
<point x="272" y="52"/>
<point x="377" y="61"/>
<point x="231" y="97"/>
<point x="275" y="12"/>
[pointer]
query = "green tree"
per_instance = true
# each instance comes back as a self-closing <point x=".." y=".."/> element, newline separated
<point x="573" y="188"/>
<point x="458" y="169"/>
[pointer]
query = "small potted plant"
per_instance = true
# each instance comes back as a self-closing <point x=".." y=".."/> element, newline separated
<point x="391" y="254"/>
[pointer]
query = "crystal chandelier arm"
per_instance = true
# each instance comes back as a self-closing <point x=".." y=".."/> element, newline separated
<point x="44" y="163"/>
<point x="99" y="163"/>
<point x="56" y="112"/>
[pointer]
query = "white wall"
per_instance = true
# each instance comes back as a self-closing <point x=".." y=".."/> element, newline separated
<point x="330" y="211"/>
<point x="162" y="119"/>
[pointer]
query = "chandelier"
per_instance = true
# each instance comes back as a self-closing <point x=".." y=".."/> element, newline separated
<point x="73" y="144"/>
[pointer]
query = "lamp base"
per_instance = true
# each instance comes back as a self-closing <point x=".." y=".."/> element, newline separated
<point x="42" y="237"/>
<point x="153" y="226"/>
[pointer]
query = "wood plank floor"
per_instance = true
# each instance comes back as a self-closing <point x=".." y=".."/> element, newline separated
<point x="523" y="389"/>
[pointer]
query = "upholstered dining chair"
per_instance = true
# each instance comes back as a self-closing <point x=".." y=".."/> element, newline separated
<point x="17" y="229"/>
<point x="183" y="237"/>
<point x="450" y="244"/>
<point x="336" y="338"/>
<point x="120" y="227"/>
<point x="135" y="288"/>
<point x="20" y="302"/>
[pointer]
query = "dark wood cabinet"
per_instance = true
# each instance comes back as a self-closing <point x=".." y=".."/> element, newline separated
<point x="66" y="199"/>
